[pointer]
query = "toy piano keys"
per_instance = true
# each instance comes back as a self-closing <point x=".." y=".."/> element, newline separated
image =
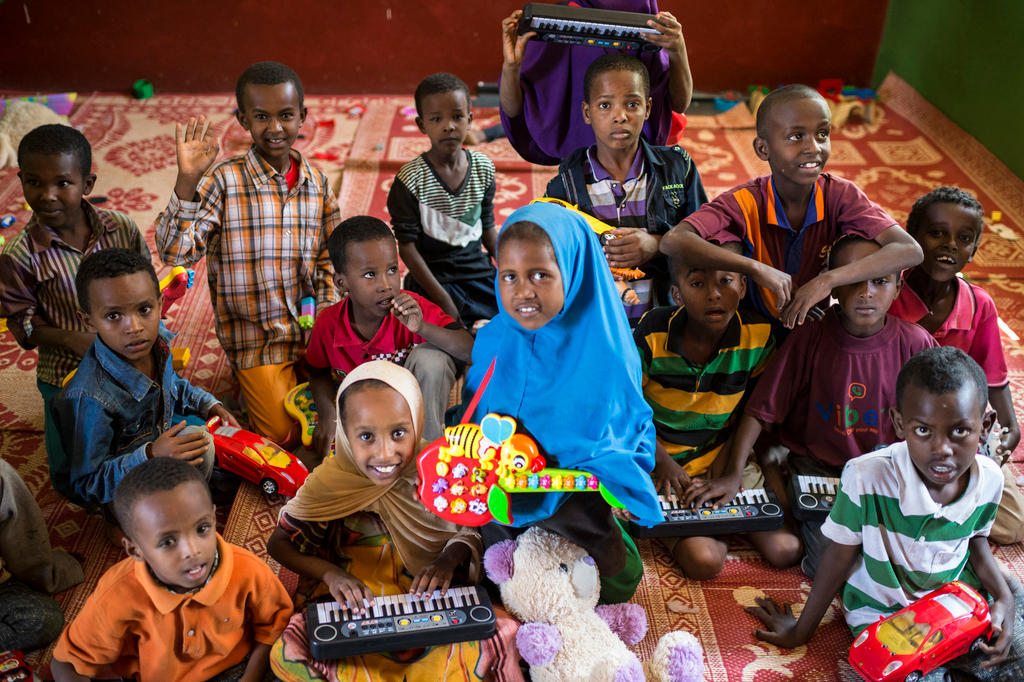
<point x="466" y="476"/>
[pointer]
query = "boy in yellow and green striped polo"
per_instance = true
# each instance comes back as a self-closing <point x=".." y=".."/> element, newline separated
<point x="698" y="362"/>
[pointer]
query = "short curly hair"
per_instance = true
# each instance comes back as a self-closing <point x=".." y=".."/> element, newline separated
<point x="267" y="73"/>
<point x="109" y="263"/>
<point x="940" y="370"/>
<point x="615" y="61"/>
<point x="55" y="138"/>
<point x="437" y="83"/>
<point x="152" y="476"/>
<point x="360" y="228"/>
<point x="944" y="195"/>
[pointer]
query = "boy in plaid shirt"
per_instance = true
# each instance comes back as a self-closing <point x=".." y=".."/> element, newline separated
<point x="263" y="220"/>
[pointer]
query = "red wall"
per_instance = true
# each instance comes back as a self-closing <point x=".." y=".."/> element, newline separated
<point x="350" y="46"/>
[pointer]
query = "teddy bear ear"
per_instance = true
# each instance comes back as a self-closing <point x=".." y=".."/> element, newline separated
<point x="499" y="562"/>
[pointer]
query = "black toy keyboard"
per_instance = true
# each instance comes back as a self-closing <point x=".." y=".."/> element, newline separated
<point x="399" y="622"/>
<point x="588" y="27"/>
<point x="812" y="497"/>
<point x="751" y="510"/>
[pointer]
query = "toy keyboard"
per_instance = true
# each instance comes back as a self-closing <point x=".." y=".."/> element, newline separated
<point x="751" y="510"/>
<point x="300" y="405"/>
<point x="399" y="622"/>
<point x="588" y="27"/>
<point x="812" y="497"/>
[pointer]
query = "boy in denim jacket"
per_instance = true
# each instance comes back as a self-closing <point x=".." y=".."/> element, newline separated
<point x="115" y="412"/>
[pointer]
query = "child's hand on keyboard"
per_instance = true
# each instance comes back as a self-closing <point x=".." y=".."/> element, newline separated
<point x="437" y="575"/>
<point x="716" y="491"/>
<point x="348" y="589"/>
<point x="669" y="477"/>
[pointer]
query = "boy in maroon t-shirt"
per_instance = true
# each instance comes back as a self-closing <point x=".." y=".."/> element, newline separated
<point x="377" y="320"/>
<point x="786" y="221"/>
<point x="831" y="384"/>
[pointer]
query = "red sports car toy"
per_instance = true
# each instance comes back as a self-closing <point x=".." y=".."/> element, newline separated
<point x="912" y="642"/>
<point x="257" y="459"/>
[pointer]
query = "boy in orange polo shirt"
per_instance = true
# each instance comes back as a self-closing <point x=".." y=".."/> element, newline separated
<point x="184" y="605"/>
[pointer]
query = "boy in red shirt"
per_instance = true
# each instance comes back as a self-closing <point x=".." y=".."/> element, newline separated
<point x="377" y="320"/>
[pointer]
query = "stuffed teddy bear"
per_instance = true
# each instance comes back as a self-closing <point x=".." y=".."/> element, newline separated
<point x="18" y="118"/>
<point x="552" y="585"/>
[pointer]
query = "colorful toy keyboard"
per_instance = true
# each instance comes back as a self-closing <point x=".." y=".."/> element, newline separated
<point x="751" y="510"/>
<point x="399" y="622"/>
<point x="812" y="497"/>
<point x="300" y="405"/>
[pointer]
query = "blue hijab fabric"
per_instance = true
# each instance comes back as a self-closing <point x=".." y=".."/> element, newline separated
<point x="575" y="383"/>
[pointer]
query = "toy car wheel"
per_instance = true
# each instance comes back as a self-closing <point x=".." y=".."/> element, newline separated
<point x="976" y="645"/>
<point x="269" y="486"/>
<point x="913" y="677"/>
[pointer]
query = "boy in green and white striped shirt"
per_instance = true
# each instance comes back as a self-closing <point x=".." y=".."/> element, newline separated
<point x="915" y="516"/>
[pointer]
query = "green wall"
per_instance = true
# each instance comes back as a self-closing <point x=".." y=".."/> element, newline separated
<point x="967" y="58"/>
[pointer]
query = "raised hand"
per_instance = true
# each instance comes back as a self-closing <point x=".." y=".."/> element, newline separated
<point x="513" y="45"/>
<point x="196" y="150"/>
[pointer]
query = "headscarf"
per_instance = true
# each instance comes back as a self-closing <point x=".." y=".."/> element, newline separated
<point x="551" y="124"/>
<point x="337" y="488"/>
<point x="575" y="383"/>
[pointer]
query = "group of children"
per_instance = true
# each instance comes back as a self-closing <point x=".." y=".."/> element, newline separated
<point x="742" y="353"/>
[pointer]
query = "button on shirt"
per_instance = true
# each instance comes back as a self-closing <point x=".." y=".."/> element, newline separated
<point x="618" y="204"/>
<point x="266" y="249"/>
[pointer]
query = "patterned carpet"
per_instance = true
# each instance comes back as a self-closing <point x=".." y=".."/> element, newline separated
<point x="907" y="148"/>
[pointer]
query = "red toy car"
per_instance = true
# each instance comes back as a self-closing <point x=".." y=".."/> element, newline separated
<point x="912" y="642"/>
<point x="256" y="459"/>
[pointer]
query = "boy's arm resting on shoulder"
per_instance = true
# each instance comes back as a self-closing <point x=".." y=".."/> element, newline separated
<point x="683" y="241"/>
<point x="781" y="629"/>
<point x="425" y="278"/>
<point x="1003" y="608"/>
<point x="899" y="251"/>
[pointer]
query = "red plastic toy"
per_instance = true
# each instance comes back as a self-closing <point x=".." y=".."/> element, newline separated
<point x="912" y="642"/>
<point x="257" y="459"/>
<point x="13" y="667"/>
<point x="174" y="285"/>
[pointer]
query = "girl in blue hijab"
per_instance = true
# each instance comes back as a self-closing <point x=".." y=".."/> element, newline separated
<point x="567" y="370"/>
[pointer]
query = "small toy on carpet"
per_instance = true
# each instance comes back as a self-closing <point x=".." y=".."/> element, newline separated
<point x="553" y="586"/>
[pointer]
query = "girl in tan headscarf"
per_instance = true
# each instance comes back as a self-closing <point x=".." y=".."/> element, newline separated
<point x="357" y="529"/>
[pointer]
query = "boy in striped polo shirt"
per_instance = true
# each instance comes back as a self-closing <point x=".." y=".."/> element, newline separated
<point x="698" y="361"/>
<point x="915" y="516"/>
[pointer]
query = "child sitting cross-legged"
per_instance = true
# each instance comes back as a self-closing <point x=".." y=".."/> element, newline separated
<point x="357" y="530"/>
<point x="947" y="224"/>
<point x="116" y="411"/>
<point x="915" y="516"/>
<point x="377" y="320"/>
<point x="828" y="387"/>
<point x="698" y="361"/>
<point x="185" y="604"/>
